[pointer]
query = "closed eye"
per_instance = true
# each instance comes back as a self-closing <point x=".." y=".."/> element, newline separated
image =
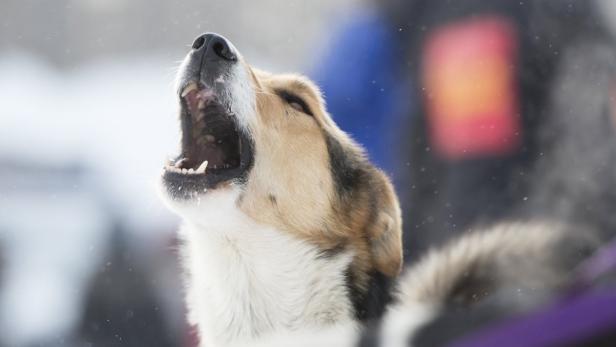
<point x="295" y="101"/>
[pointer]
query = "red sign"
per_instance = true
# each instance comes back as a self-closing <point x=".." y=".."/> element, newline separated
<point x="469" y="76"/>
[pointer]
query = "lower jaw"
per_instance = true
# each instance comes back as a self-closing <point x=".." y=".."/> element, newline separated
<point x="187" y="186"/>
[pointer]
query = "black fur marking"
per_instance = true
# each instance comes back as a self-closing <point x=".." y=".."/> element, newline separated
<point x="370" y="334"/>
<point x="470" y="289"/>
<point x="369" y="302"/>
<point x="344" y="167"/>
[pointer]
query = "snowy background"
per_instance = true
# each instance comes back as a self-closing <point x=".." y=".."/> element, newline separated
<point x="87" y="117"/>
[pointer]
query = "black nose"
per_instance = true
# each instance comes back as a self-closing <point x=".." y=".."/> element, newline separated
<point x="214" y="47"/>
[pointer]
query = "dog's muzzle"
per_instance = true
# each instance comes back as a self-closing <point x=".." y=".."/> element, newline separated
<point x="214" y="149"/>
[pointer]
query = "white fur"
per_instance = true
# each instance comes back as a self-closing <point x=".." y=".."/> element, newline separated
<point x="402" y="321"/>
<point x="246" y="279"/>
<point x="340" y="335"/>
<point x="241" y="94"/>
<point x="241" y="97"/>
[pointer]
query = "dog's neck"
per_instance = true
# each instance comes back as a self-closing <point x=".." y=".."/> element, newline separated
<point x="246" y="279"/>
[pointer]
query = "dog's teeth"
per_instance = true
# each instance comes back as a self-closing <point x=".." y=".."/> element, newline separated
<point x="201" y="104"/>
<point x="202" y="167"/>
<point x="184" y="171"/>
<point x="179" y="162"/>
<point x="189" y="88"/>
<point x="191" y="171"/>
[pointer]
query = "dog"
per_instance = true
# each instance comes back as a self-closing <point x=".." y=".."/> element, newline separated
<point x="286" y="223"/>
<point x="291" y="236"/>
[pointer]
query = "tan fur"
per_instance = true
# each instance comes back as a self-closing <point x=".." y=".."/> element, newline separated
<point x="291" y="186"/>
<point x="509" y="255"/>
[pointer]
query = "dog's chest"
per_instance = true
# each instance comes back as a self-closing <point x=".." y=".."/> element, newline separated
<point x="246" y="280"/>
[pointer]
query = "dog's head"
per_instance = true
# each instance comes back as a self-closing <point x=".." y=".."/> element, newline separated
<point x="268" y="139"/>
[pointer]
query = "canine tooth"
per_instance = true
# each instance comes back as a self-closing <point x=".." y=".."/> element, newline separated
<point x="189" y="88"/>
<point x="201" y="104"/>
<point x="179" y="162"/>
<point x="202" y="167"/>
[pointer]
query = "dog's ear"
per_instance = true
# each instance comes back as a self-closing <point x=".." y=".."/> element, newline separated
<point x="386" y="233"/>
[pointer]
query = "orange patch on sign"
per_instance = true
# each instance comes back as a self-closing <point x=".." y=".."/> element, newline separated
<point x="471" y="96"/>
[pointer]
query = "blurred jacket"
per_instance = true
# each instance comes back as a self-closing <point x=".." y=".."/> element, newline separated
<point x="408" y="80"/>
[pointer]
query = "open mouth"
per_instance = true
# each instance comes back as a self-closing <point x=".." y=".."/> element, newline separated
<point x="214" y="150"/>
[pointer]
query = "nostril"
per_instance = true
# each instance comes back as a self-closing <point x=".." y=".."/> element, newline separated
<point x="222" y="50"/>
<point x="199" y="42"/>
<point x="219" y="49"/>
